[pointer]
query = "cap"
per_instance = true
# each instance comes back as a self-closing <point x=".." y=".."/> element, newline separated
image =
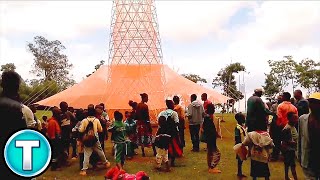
<point x="315" y="95"/>
<point x="258" y="90"/>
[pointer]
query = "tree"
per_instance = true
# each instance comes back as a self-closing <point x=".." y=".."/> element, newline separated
<point x="96" y="67"/>
<point x="50" y="64"/>
<point x="284" y="71"/>
<point x="308" y="75"/>
<point x="194" y="78"/>
<point x="8" y="67"/>
<point x="226" y="80"/>
<point x="272" y="86"/>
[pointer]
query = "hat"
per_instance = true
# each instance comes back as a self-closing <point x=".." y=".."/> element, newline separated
<point x="258" y="90"/>
<point x="315" y="95"/>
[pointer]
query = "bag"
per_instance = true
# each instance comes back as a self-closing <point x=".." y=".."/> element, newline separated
<point x="241" y="151"/>
<point x="260" y="154"/>
<point x="89" y="139"/>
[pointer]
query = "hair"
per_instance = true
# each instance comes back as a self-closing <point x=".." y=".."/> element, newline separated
<point x="91" y="110"/>
<point x="10" y="80"/>
<point x="44" y="117"/>
<point x="101" y="104"/>
<point x="145" y="177"/>
<point x="176" y="99"/>
<point x="204" y="95"/>
<point x="133" y="104"/>
<point x="170" y="104"/>
<point x="194" y="96"/>
<point x="143" y="95"/>
<point x="80" y="114"/>
<point x="210" y="109"/>
<point x="98" y="107"/>
<point x="63" y="104"/>
<point x="240" y="118"/>
<point x="118" y="116"/>
<point x="290" y="116"/>
<point x="286" y="96"/>
<point x="55" y="111"/>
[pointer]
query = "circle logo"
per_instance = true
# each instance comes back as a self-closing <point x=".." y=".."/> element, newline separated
<point x="27" y="153"/>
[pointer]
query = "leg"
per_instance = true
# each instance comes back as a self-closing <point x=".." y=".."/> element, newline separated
<point x="197" y="138"/>
<point x="209" y="156"/>
<point x="172" y="161"/>
<point x="159" y="159"/>
<point x="191" y="129"/>
<point x="239" y="167"/>
<point x="294" y="173"/>
<point x="74" y="147"/>
<point x="98" y="149"/>
<point x="254" y="178"/>
<point x="81" y="159"/>
<point x="286" y="172"/>
<point x="87" y="153"/>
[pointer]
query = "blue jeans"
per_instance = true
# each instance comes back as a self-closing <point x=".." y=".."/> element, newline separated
<point x="194" y="133"/>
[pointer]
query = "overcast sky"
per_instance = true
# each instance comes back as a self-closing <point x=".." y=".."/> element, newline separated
<point x="196" y="37"/>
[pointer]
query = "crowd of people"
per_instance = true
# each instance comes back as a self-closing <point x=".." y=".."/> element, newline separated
<point x="287" y="129"/>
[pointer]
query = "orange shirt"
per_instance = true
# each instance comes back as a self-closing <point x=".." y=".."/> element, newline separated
<point x="178" y="108"/>
<point x="53" y="128"/>
<point x="283" y="109"/>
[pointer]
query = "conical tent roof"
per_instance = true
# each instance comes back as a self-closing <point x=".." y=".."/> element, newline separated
<point x="135" y="67"/>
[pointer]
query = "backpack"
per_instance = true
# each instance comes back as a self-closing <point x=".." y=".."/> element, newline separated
<point x="89" y="138"/>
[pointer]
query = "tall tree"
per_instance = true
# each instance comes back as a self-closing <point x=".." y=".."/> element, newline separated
<point x="50" y="64"/>
<point x="96" y="67"/>
<point x="8" y="67"/>
<point x="226" y="79"/>
<point x="308" y="75"/>
<point x="272" y="86"/>
<point x="284" y="71"/>
<point x="194" y="78"/>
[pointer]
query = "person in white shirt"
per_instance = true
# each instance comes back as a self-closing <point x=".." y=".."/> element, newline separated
<point x="28" y="116"/>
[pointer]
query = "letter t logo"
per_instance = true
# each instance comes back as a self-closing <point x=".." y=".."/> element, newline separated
<point x="27" y="146"/>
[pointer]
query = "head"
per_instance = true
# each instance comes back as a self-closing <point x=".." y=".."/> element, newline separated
<point x="99" y="109"/>
<point x="102" y="105"/>
<point x="292" y="100"/>
<point x="91" y="110"/>
<point x="44" y="118"/>
<point x="56" y="113"/>
<point x="204" y="97"/>
<point x="64" y="106"/>
<point x="71" y="109"/>
<point x="258" y="92"/>
<point x="118" y="116"/>
<point x="170" y="104"/>
<point x="297" y="94"/>
<point x="286" y="96"/>
<point x="314" y="103"/>
<point x="279" y="99"/>
<point x="193" y="97"/>
<point x="127" y="114"/>
<point x="33" y="108"/>
<point x="240" y="118"/>
<point x="144" y="97"/>
<point x="292" y="118"/>
<point x="210" y="109"/>
<point x="176" y="100"/>
<point x="133" y="104"/>
<point x="10" y="83"/>
<point x="80" y="114"/>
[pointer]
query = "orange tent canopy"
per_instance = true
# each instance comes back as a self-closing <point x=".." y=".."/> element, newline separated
<point x="116" y="85"/>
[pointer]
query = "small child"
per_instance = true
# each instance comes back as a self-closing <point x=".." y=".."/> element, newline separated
<point x="289" y="145"/>
<point x="115" y="173"/>
<point x="162" y="140"/>
<point x="118" y="137"/>
<point x="131" y="131"/>
<point x="210" y="137"/>
<point x="239" y="134"/>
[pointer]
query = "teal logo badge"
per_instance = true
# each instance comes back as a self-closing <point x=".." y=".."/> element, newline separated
<point x="27" y="153"/>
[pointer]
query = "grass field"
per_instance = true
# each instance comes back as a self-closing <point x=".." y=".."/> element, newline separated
<point x="192" y="166"/>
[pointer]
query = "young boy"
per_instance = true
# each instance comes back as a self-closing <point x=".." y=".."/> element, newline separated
<point x="289" y="145"/>
<point x="118" y="137"/>
<point x="239" y="134"/>
<point x="162" y="140"/>
<point x="131" y="131"/>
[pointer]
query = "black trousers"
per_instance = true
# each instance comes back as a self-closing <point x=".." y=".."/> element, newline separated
<point x="194" y="133"/>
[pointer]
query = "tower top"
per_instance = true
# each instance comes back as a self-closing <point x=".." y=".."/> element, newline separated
<point x="135" y="35"/>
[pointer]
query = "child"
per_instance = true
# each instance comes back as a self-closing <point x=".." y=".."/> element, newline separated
<point x="131" y="131"/>
<point x="115" y="173"/>
<point x="162" y="140"/>
<point x="289" y="145"/>
<point x="210" y="137"/>
<point x="239" y="134"/>
<point x="118" y="137"/>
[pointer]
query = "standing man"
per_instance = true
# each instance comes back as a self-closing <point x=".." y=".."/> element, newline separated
<point x="11" y="115"/>
<point x="256" y="112"/>
<point x="308" y="140"/>
<point x="195" y="115"/>
<point x="282" y="111"/>
<point x="301" y="104"/>
<point x="206" y="101"/>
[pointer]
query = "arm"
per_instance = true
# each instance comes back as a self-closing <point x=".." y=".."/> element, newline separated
<point x="99" y="127"/>
<point x="83" y="124"/>
<point x="237" y="136"/>
<point x="175" y="117"/>
<point x="280" y="115"/>
<point x="189" y="112"/>
<point x="299" y="140"/>
<point x="58" y="130"/>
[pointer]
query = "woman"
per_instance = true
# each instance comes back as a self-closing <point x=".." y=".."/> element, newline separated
<point x="172" y="119"/>
<point x="181" y="114"/>
<point x="143" y="124"/>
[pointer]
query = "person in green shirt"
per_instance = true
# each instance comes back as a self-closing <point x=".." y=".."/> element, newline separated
<point x="118" y="137"/>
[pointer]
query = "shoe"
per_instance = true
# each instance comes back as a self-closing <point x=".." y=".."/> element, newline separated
<point x="83" y="173"/>
<point x="214" y="171"/>
<point x="108" y="165"/>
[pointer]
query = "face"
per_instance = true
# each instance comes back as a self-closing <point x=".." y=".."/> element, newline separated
<point x="146" y="99"/>
<point x="314" y="106"/>
<point x="64" y="107"/>
<point x="127" y="115"/>
<point x="203" y="98"/>
<point x="99" y="111"/>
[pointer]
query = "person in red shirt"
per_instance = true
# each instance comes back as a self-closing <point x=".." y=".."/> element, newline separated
<point x="282" y="111"/>
<point x="206" y="101"/>
<point x="54" y="133"/>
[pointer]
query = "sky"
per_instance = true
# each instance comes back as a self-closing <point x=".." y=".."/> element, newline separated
<point x="198" y="37"/>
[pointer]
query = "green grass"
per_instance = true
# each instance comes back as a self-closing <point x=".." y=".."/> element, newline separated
<point x="41" y="113"/>
<point x="191" y="166"/>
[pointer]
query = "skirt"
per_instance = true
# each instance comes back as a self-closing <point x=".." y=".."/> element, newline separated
<point x="175" y="148"/>
<point x="259" y="169"/>
<point x="144" y="135"/>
